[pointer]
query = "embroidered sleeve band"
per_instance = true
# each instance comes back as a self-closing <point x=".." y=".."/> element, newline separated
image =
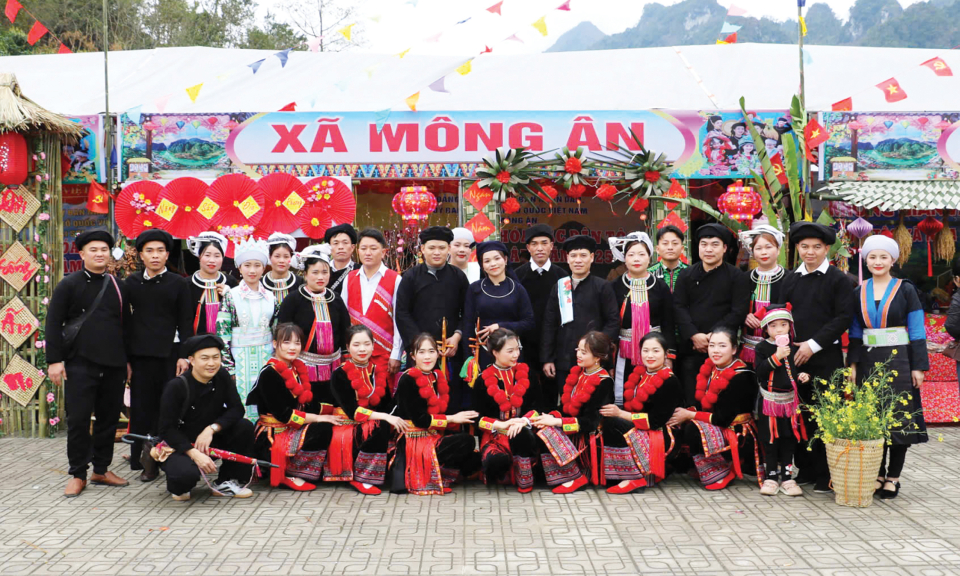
<point x="362" y="414"/>
<point x="640" y="421"/>
<point x="703" y="417"/>
<point x="570" y="425"/>
<point x="438" y="422"/>
<point x="298" y="419"/>
<point x="487" y="423"/>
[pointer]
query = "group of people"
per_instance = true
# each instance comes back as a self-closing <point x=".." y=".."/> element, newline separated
<point x="349" y="371"/>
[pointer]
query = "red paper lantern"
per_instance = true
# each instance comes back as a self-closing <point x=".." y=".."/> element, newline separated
<point x="606" y="192"/>
<point x="414" y="204"/>
<point x="931" y="227"/>
<point x="740" y="202"/>
<point x="511" y="206"/>
<point x="14" y="160"/>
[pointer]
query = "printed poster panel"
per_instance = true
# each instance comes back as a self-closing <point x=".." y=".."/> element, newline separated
<point x="76" y="219"/>
<point x="84" y="158"/>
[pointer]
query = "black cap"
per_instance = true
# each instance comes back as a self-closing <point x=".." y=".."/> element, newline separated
<point x="536" y="231"/>
<point x="714" y="230"/>
<point x="803" y="230"/>
<point x="340" y="229"/>
<point x="154" y="235"/>
<point x="441" y="233"/>
<point x="192" y="344"/>
<point x="89" y="236"/>
<point x="581" y="242"/>
<point x="491" y="246"/>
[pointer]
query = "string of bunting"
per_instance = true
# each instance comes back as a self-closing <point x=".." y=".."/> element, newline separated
<point x="728" y="29"/>
<point x="892" y="91"/>
<point x="37" y="31"/>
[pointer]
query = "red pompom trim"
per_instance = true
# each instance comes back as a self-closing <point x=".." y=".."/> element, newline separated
<point x="369" y="390"/>
<point x="514" y="386"/>
<point x="437" y="398"/>
<point x="718" y="382"/>
<point x="640" y="386"/>
<point x="577" y="390"/>
<point x="294" y="381"/>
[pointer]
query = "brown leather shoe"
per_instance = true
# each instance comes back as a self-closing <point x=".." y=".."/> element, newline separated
<point x="74" y="487"/>
<point x="108" y="479"/>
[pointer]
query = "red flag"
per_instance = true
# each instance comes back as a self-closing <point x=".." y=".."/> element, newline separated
<point x="291" y="107"/>
<point x="731" y="39"/>
<point x="97" y="199"/>
<point x="495" y="9"/>
<point x="892" y="90"/>
<point x="815" y="134"/>
<point x="64" y="50"/>
<point x="36" y="33"/>
<point x="13" y="7"/>
<point x="845" y="105"/>
<point x="778" y="169"/>
<point x="486" y="50"/>
<point x="938" y="66"/>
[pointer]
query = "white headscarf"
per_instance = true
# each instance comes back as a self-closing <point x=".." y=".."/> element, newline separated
<point x="321" y="251"/>
<point x="880" y="242"/>
<point x="251" y="249"/>
<point x="463" y="234"/>
<point x="194" y="242"/>
<point x="278" y="238"/>
<point x="617" y="244"/>
<point x="747" y="236"/>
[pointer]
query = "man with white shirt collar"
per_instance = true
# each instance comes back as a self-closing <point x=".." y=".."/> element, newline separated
<point x="369" y="294"/>
<point x="162" y="308"/>
<point x="342" y="239"/>
<point x="823" y="306"/>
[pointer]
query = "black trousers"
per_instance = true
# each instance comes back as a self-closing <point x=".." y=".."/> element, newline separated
<point x="690" y="364"/>
<point x="893" y="458"/>
<point x="779" y="453"/>
<point x="92" y="389"/>
<point x="496" y="463"/>
<point x="183" y="474"/>
<point x="149" y="377"/>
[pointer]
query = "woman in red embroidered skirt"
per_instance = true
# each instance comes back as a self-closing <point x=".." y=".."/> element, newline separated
<point x="432" y="452"/>
<point x="287" y="434"/>
<point x="636" y="438"/>
<point x="508" y="447"/>
<point x="719" y="430"/>
<point x="575" y="432"/>
<point x="358" y="450"/>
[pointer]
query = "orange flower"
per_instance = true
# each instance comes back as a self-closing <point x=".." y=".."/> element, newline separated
<point x="503" y="177"/>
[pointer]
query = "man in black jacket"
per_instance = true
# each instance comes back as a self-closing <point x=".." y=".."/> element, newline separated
<point x="539" y="277"/>
<point x="342" y="240"/>
<point x="588" y="303"/>
<point x="201" y="410"/>
<point x="162" y="309"/>
<point x="94" y="361"/>
<point x="823" y="302"/>
<point x="708" y="294"/>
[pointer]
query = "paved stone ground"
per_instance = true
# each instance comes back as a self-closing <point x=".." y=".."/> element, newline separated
<point x="677" y="528"/>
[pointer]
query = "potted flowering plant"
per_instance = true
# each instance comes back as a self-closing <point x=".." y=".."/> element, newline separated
<point x="854" y="422"/>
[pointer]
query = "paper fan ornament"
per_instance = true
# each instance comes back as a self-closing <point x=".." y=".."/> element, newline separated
<point x="333" y="197"/>
<point x="240" y="201"/>
<point x="314" y="221"/>
<point x="185" y="207"/>
<point x="284" y="197"/>
<point x="136" y="206"/>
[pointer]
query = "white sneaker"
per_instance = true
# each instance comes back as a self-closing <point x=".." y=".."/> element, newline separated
<point x="232" y="489"/>
<point x="181" y="497"/>
<point x="770" y="488"/>
<point x="790" y="488"/>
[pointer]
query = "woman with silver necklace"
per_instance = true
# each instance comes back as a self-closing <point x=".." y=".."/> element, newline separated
<point x="766" y="282"/>
<point x="208" y="284"/>
<point x="645" y="304"/>
<point x="281" y="280"/>
<point x="497" y="300"/>
<point x="322" y="316"/>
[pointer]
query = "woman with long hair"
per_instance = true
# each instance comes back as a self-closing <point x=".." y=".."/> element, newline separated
<point x="208" y="284"/>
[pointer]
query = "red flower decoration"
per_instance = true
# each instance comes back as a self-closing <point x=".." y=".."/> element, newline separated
<point x="606" y="192"/>
<point x="639" y="204"/>
<point x="549" y="194"/>
<point x="511" y="206"/>
<point x="652" y="176"/>
<point x="573" y="165"/>
<point x="576" y="191"/>
<point x="503" y="177"/>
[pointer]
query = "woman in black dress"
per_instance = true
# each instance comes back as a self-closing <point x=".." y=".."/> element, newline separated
<point x="766" y="283"/>
<point x="208" y="284"/>
<point x="281" y="280"/>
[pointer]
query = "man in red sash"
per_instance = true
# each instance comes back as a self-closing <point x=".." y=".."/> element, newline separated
<point x="369" y="294"/>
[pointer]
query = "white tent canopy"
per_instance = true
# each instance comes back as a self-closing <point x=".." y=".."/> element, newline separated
<point x="638" y="79"/>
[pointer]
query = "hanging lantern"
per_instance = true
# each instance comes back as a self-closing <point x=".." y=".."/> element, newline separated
<point x="14" y="160"/>
<point x="740" y="202"/>
<point x="414" y="204"/>
<point x="930" y="226"/>
<point x="859" y="229"/>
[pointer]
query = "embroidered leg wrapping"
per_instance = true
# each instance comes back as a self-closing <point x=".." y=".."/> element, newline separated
<point x="712" y="469"/>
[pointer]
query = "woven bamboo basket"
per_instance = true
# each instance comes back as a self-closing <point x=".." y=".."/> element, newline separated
<point x="853" y="469"/>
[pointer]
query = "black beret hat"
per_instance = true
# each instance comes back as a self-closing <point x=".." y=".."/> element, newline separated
<point x="537" y="231"/>
<point x="581" y="242"/>
<point x="340" y="229"/>
<point x="803" y="230"/>
<point x="193" y="344"/>
<point x="714" y="230"/>
<point x="89" y="236"/>
<point x="441" y="233"/>
<point x="154" y="235"/>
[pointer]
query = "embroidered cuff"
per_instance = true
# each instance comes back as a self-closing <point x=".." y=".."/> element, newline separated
<point x="297" y="419"/>
<point x="438" y="422"/>
<point x="326" y="409"/>
<point x="570" y="425"/>
<point x="362" y="414"/>
<point x="487" y="423"/>
<point x="703" y="417"/>
<point x="640" y="421"/>
<point x="531" y="414"/>
<point x="671" y="355"/>
<point x="775" y="362"/>
<point x="556" y="414"/>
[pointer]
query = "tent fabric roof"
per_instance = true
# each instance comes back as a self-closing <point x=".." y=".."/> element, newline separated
<point x="898" y="195"/>
<point x="635" y="79"/>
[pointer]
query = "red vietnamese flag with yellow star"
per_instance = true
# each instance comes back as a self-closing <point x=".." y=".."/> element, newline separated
<point x="938" y="66"/>
<point x="892" y="90"/>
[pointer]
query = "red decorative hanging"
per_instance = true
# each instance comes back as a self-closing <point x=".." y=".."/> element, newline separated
<point x="930" y="226"/>
<point x="740" y="202"/>
<point x="414" y="204"/>
<point x="14" y="160"/>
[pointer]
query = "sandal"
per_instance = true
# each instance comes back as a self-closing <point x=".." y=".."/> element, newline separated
<point x="890" y="494"/>
<point x="880" y="482"/>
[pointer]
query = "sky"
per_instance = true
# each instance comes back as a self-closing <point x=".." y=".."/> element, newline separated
<point x="392" y="26"/>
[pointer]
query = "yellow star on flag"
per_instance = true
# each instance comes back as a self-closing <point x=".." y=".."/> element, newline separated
<point x="892" y="89"/>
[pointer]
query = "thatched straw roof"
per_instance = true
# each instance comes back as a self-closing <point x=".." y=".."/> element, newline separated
<point x="20" y="114"/>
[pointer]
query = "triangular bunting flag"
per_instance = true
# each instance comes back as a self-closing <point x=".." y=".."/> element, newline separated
<point x="315" y="44"/>
<point x="515" y="38"/>
<point x="736" y="11"/>
<point x="434" y="38"/>
<point x="541" y="25"/>
<point x="134" y="114"/>
<point x="731" y="39"/>
<point x="36" y="33"/>
<point x="256" y="65"/>
<point x="282" y="56"/>
<point x="807" y="58"/>
<point x="845" y="105"/>
<point x="464" y="21"/>
<point x="412" y="101"/>
<point x="938" y="66"/>
<point x="161" y="102"/>
<point x="729" y="28"/>
<point x="194" y="91"/>
<point x="465" y="68"/>
<point x="64" y="50"/>
<point x="12" y="9"/>
<point x="565" y="6"/>
<point x="381" y="118"/>
<point x="404" y="53"/>
<point x="487" y="50"/>
<point x="892" y="90"/>
<point x="803" y="26"/>
<point x="347" y="32"/>
<point x="438" y="86"/>
<point x="495" y="9"/>
<point x="375" y="18"/>
<point x="291" y="107"/>
<point x="722" y="42"/>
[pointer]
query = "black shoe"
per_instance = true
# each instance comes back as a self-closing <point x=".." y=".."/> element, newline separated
<point x="890" y="494"/>
<point x="148" y="477"/>
<point x="803" y="479"/>
<point x="822" y="486"/>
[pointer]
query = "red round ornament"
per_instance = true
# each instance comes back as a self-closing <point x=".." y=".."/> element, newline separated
<point x="573" y="165"/>
<point x="606" y="192"/>
<point x="511" y="206"/>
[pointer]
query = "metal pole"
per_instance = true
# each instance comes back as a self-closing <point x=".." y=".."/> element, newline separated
<point x="108" y="122"/>
<point x="803" y="101"/>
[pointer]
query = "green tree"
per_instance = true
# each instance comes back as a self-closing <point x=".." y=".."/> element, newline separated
<point x="273" y="35"/>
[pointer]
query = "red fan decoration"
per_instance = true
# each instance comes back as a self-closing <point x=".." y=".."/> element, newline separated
<point x="333" y="197"/>
<point x="135" y="208"/>
<point x="240" y="200"/>
<point x="284" y="197"/>
<point x="314" y="221"/>
<point x="185" y="207"/>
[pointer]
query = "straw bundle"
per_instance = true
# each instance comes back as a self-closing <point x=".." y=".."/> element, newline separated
<point x="904" y="242"/>
<point x="944" y="246"/>
<point x="20" y="114"/>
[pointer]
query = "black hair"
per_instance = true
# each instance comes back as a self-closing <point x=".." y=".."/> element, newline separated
<point x="599" y="344"/>
<point x="767" y="235"/>
<point x="714" y="118"/>
<point x="372" y="233"/>
<point x="273" y="248"/>
<point x="731" y="335"/>
<point x="499" y="338"/>
<point x="956" y="266"/>
<point x="420" y="339"/>
<point x="670" y="229"/>
<point x="286" y="331"/>
<point x="204" y="245"/>
<point x="633" y="243"/>
<point x="309" y="262"/>
<point x="660" y="338"/>
<point x="358" y="329"/>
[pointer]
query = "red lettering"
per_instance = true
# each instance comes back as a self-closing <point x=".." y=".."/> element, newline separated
<point x="533" y="141"/>
<point x="616" y="133"/>
<point x="451" y="137"/>
<point x="328" y="136"/>
<point x="288" y="138"/>
<point x="408" y="132"/>
<point x="473" y="133"/>
<point x="583" y="134"/>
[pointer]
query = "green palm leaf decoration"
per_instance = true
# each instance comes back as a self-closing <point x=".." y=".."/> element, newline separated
<point x="510" y="172"/>
<point x="640" y="173"/>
